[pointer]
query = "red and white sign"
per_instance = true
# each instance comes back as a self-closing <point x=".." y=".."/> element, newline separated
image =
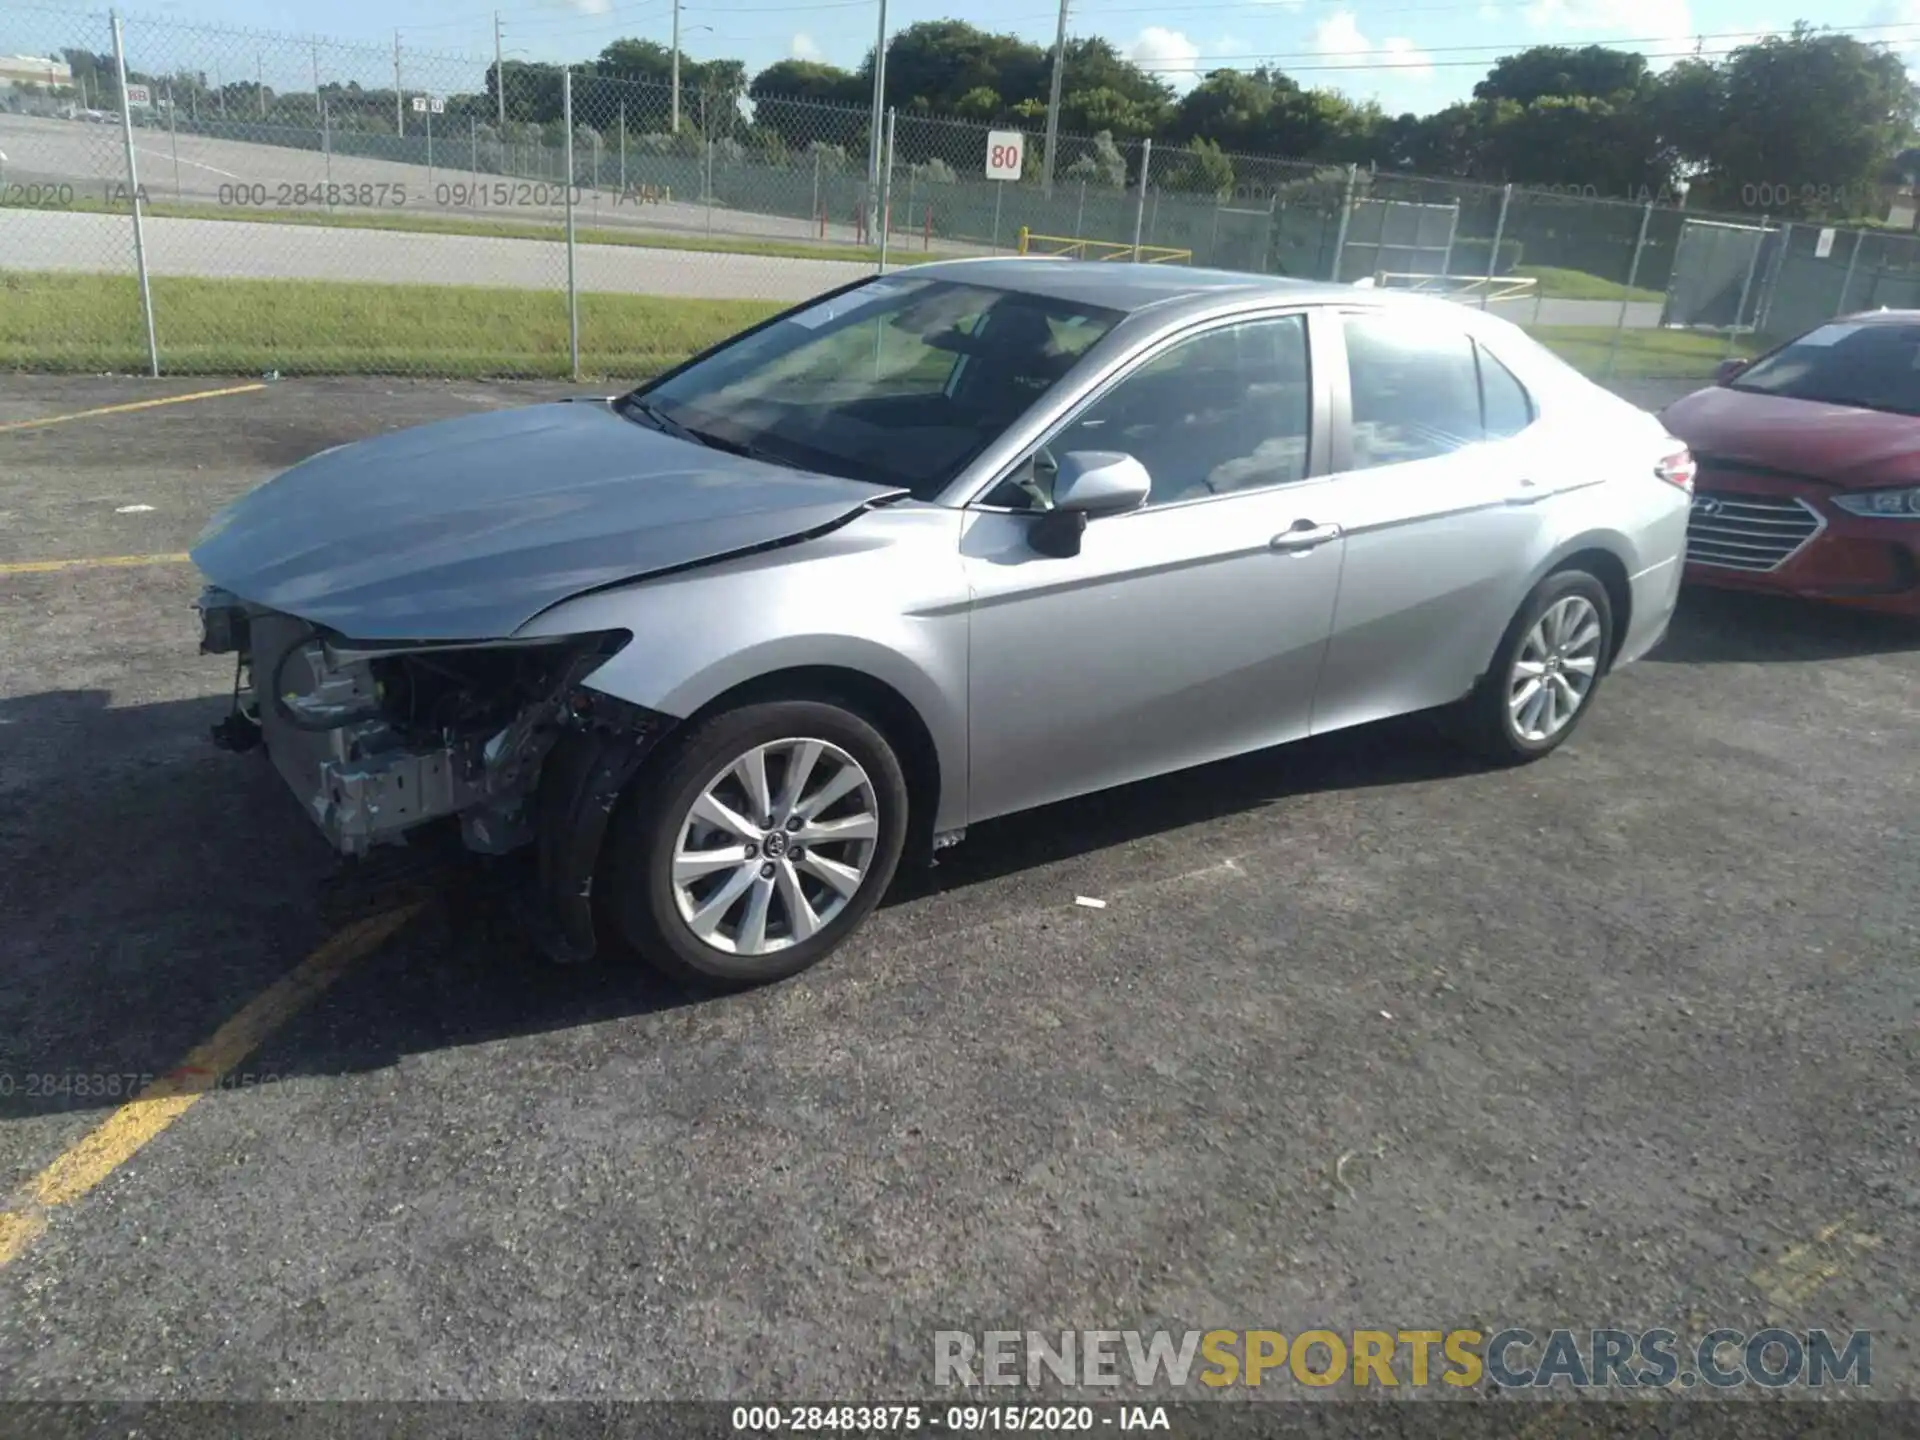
<point x="139" y="95"/>
<point x="1006" y="154"/>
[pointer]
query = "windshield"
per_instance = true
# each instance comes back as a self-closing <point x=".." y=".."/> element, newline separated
<point x="896" y="382"/>
<point x="1875" y="366"/>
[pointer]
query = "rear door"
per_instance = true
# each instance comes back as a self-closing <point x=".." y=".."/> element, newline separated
<point x="1445" y="493"/>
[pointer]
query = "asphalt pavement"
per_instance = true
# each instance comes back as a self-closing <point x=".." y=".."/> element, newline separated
<point x="1365" y="1035"/>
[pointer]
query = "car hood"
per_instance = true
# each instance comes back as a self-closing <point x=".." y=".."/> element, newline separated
<point x="468" y="528"/>
<point x="1847" y="447"/>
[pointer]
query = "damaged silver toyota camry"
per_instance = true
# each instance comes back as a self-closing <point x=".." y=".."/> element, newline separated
<point x="709" y="658"/>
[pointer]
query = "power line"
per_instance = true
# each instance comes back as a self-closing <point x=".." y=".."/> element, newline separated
<point x="1181" y="68"/>
<point x="1507" y="47"/>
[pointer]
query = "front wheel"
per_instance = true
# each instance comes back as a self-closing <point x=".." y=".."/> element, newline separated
<point x="762" y="840"/>
<point x="1546" y="672"/>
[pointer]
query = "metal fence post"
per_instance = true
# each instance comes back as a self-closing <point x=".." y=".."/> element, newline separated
<point x="706" y="183"/>
<point x="1346" y="214"/>
<point x="1633" y="276"/>
<point x="1746" y="288"/>
<point x="173" y="136"/>
<point x="1770" y="286"/>
<point x="623" y="147"/>
<point x="1140" y="208"/>
<point x="886" y="192"/>
<point x="573" y="288"/>
<point x="1853" y="259"/>
<point x="1499" y="235"/>
<point x="133" y="197"/>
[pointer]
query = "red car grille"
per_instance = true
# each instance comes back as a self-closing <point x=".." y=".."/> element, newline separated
<point x="1748" y="532"/>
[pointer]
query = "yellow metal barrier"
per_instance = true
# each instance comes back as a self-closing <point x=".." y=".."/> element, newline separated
<point x="1072" y="249"/>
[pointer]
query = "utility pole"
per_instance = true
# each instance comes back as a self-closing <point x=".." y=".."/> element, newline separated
<point x="399" y="110"/>
<point x="1053" y="94"/>
<point x="499" y="78"/>
<point x="260" y="83"/>
<point x="875" y="125"/>
<point x="676" y="66"/>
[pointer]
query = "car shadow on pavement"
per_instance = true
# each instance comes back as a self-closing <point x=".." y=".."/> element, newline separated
<point x="151" y="886"/>
<point x="1388" y="752"/>
<point x="1716" y="627"/>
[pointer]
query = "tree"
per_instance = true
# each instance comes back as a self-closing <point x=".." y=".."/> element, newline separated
<point x="805" y="103"/>
<point x="1686" y="109"/>
<point x="1199" y="169"/>
<point x="1814" y="115"/>
<point x="1561" y="72"/>
<point x="1104" y="165"/>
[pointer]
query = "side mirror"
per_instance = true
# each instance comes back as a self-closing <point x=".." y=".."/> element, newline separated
<point x="1100" y="482"/>
<point x="1087" y="484"/>
<point x="1727" y="369"/>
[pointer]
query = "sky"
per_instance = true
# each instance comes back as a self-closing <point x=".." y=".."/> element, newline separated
<point x="1413" y="55"/>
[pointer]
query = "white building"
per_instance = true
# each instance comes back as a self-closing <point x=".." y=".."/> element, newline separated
<point x="34" y="70"/>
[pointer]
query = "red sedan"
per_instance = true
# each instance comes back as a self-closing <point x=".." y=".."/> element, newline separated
<point x="1809" y="479"/>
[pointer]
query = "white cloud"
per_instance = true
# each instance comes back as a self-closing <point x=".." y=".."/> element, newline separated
<point x="1662" y="26"/>
<point x="802" y="47"/>
<point x="592" y="7"/>
<point x="1406" y="58"/>
<point x="1338" y="38"/>
<point x="1904" y="43"/>
<point x="1168" y="53"/>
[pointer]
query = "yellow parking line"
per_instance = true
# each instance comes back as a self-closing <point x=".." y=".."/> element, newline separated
<point x="130" y="405"/>
<point x="90" y="562"/>
<point x="122" y="1134"/>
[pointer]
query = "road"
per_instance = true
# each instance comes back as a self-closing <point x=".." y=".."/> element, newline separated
<point x="1365" y="1035"/>
<point x="90" y="158"/>
<point x="200" y="170"/>
<point x="61" y="240"/>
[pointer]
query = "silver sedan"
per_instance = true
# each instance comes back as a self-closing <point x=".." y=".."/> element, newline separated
<point x="704" y="661"/>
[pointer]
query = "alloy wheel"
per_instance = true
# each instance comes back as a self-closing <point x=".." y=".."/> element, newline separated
<point x="1555" y="669"/>
<point x="775" y="846"/>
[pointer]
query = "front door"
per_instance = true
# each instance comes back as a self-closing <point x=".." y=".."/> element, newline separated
<point x="1182" y="632"/>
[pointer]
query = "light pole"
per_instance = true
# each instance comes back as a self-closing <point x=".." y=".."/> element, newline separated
<point x="499" y="77"/>
<point x="875" y="123"/>
<point x="1053" y="95"/>
<point x="675" y="127"/>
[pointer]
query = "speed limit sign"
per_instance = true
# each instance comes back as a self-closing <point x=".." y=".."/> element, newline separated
<point x="1006" y="153"/>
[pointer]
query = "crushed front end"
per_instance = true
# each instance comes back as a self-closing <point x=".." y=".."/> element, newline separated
<point x="378" y="740"/>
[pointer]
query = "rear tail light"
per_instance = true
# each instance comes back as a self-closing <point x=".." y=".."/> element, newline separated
<point x="1678" y="469"/>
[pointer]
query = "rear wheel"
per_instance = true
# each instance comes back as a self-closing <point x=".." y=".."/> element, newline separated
<point x="1546" y="672"/>
<point x="759" y="843"/>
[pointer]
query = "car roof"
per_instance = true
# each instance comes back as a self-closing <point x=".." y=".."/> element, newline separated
<point x="1876" y="317"/>
<point x="1126" y="286"/>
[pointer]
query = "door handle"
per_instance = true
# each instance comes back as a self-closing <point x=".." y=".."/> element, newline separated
<point x="1527" y="492"/>
<point x="1302" y="537"/>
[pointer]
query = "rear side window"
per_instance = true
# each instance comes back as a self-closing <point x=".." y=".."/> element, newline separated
<point x="1416" y="390"/>
<point x="1507" y="407"/>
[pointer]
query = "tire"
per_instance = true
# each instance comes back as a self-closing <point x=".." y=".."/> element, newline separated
<point x="686" y="927"/>
<point x="1575" y="604"/>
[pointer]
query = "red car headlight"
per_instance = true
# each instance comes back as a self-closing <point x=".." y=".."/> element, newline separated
<point x="1882" y="504"/>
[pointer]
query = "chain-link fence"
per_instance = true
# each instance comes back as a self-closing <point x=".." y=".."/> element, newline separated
<point x="183" y="198"/>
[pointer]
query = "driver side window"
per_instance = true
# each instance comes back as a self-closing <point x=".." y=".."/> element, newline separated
<point x="1226" y="410"/>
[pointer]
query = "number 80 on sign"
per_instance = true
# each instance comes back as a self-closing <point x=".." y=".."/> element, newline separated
<point x="1006" y="154"/>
